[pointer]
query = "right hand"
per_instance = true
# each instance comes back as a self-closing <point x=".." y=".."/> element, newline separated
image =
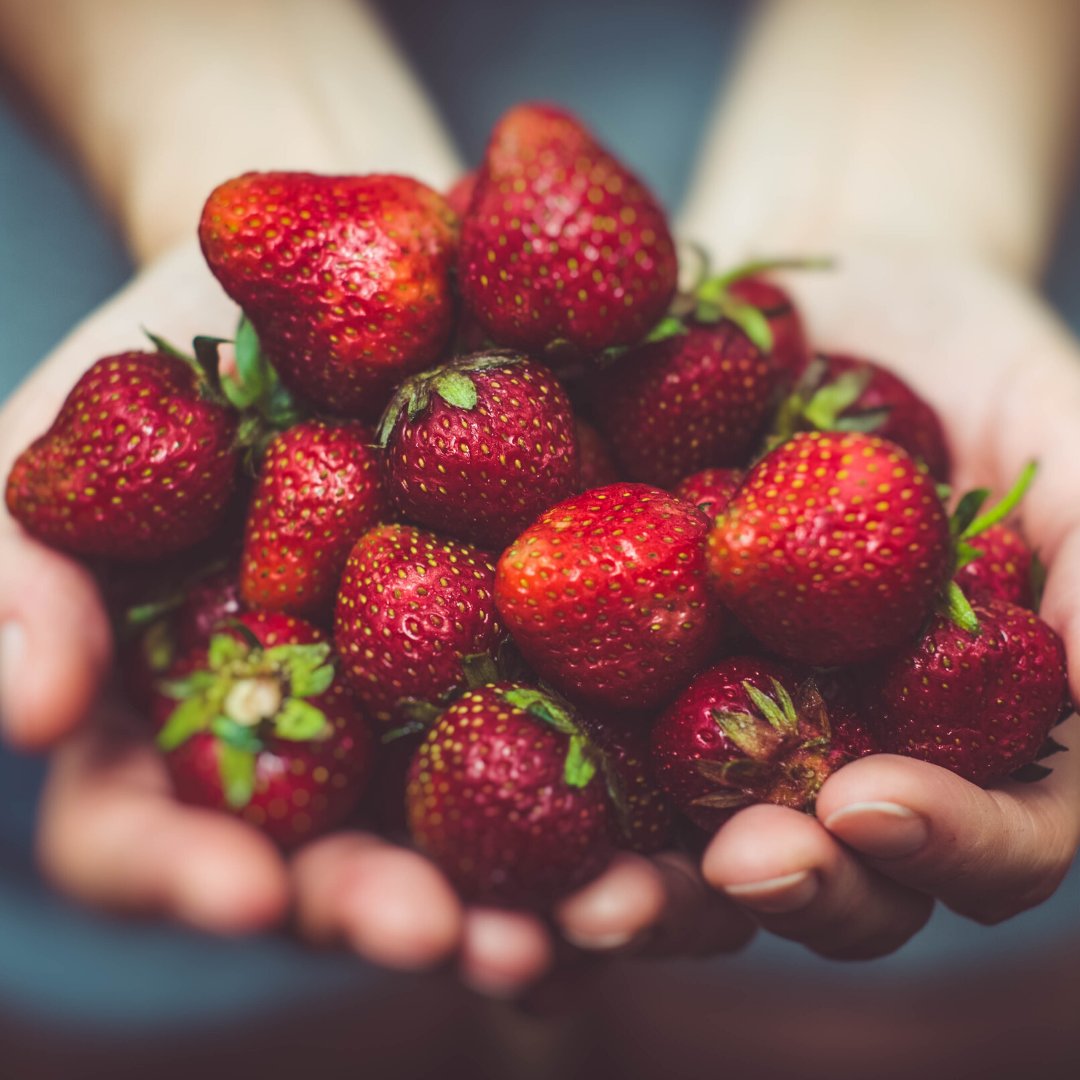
<point x="110" y="831"/>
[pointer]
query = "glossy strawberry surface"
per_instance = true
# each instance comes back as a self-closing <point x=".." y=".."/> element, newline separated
<point x="834" y="550"/>
<point x="790" y="351"/>
<point x="606" y="596"/>
<point x="138" y="464"/>
<point x="1002" y="571"/>
<point x="346" y="279"/>
<point x="562" y="244"/>
<point x="710" y="490"/>
<point x="411" y="607"/>
<point x="319" y="489"/>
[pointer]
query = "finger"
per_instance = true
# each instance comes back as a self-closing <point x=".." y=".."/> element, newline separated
<point x="659" y="902"/>
<point x="504" y="952"/>
<point x="55" y="645"/>
<point x="987" y="854"/>
<point x="112" y="835"/>
<point x="389" y="904"/>
<point x="802" y="885"/>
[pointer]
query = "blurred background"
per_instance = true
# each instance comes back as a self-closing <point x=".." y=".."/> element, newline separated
<point x="85" y="995"/>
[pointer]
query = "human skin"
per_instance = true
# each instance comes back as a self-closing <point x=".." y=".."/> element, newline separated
<point x="936" y="286"/>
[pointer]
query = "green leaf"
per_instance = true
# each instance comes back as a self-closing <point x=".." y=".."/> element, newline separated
<point x="188" y="718"/>
<point x="1001" y="510"/>
<point x="312" y="683"/>
<point x="224" y="649"/>
<point x="143" y="614"/>
<point x="787" y="706"/>
<point x="250" y="362"/>
<point x="300" y="721"/>
<point x="236" y="735"/>
<point x="959" y="610"/>
<point x="667" y="327"/>
<point x="825" y="406"/>
<point x="753" y="323"/>
<point x="764" y="266"/>
<point x="456" y="389"/>
<point x="866" y="422"/>
<point x="414" y="727"/>
<point x="579" y="768"/>
<point x="537" y="703"/>
<point x="198" y="682"/>
<point x="480" y="670"/>
<point x="237" y="771"/>
<point x="772" y="712"/>
<point x="167" y="347"/>
<point x="965" y="554"/>
<point x="967" y="510"/>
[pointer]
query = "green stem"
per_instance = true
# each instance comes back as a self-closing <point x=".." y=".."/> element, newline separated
<point x="1001" y="510"/>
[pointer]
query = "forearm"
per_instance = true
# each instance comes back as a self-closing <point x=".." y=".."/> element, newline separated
<point x="946" y="123"/>
<point x="160" y="101"/>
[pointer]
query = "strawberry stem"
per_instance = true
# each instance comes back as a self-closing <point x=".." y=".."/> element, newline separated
<point x="765" y="266"/>
<point x="959" y="609"/>
<point x="1001" y="510"/>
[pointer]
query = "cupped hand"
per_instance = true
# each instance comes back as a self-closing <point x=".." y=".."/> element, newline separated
<point x="111" y="833"/>
<point x="892" y="835"/>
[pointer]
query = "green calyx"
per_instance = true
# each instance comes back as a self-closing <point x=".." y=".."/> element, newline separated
<point x="451" y="382"/>
<point x="580" y="764"/>
<point x="786" y="748"/>
<point x="244" y="695"/>
<point x="966" y="523"/>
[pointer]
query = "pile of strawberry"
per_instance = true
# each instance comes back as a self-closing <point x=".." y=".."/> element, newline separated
<point x="488" y="528"/>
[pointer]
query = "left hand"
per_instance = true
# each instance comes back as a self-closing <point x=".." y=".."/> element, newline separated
<point x="892" y="835"/>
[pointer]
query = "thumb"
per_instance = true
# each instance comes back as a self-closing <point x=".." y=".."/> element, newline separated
<point x="55" y="643"/>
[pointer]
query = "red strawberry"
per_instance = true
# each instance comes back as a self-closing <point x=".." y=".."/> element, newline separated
<point x="835" y="549"/>
<point x="479" y="447"/>
<point x="259" y="723"/>
<point x="504" y="794"/>
<point x="738" y="735"/>
<point x="562" y="245"/>
<point x="606" y="596"/>
<point x="1004" y="569"/>
<point x="597" y="467"/>
<point x="981" y="705"/>
<point x="138" y="464"/>
<point x="841" y="689"/>
<point x="346" y="279"/>
<point x="319" y="489"/>
<point x="411" y="607"/>
<point x="709" y="490"/>
<point x="696" y="399"/>
<point x="790" y="351"/>
<point x="845" y="393"/>
<point x="460" y="194"/>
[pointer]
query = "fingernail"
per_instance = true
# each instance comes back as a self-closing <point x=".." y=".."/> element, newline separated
<point x="882" y="830"/>
<point x="599" y="942"/>
<point x="12" y="654"/>
<point x="779" y="895"/>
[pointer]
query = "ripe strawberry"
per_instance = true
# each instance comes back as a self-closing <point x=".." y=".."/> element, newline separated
<point x="981" y="705"/>
<point x="709" y="490"/>
<point x="790" y="351"/>
<point x="834" y="550"/>
<point x="841" y="689"/>
<point x="319" y="489"/>
<point x="345" y="278"/>
<point x="479" y="447"/>
<point x="259" y="723"/>
<point x="597" y="467"/>
<point x="138" y="464"/>
<point x="504" y="795"/>
<point x="1005" y="569"/>
<point x="562" y="245"/>
<point x="738" y="735"/>
<point x="693" y="400"/>
<point x="411" y="607"/>
<point x="606" y="596"/>
<point x="845" y="393"/>
<point x="460" y="194"/>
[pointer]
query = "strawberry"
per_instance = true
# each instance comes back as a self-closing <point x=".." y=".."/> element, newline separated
<point x="834" y="550"/>
<point x="710" y="490"/>
<point x="460" y="194"/>
<point x="562" y="246"/>
<point x="981" y="705"/>
<point x="319" y="489"/>
<point x="790" y="351"/>
<point x="1005" y="568"/>
<point x="605" y="596"/>
<point x="346" y="279"/>
<point x="597" y="466"/>
<point x="845" y="393"/>
<point x="738" y="735"/>
<point x="504" y="794"/>
<point x="841" y="688"/>
<point x="138" y="464"/>
<point x="258" y="722"/>
<point x="411" y="607"/>
<point x="692" y="400"/>
<point x="479" y="447"/>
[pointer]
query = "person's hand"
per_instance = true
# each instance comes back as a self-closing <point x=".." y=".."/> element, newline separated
<point x="111" y="833"/>
<point x="892" y="835"/>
